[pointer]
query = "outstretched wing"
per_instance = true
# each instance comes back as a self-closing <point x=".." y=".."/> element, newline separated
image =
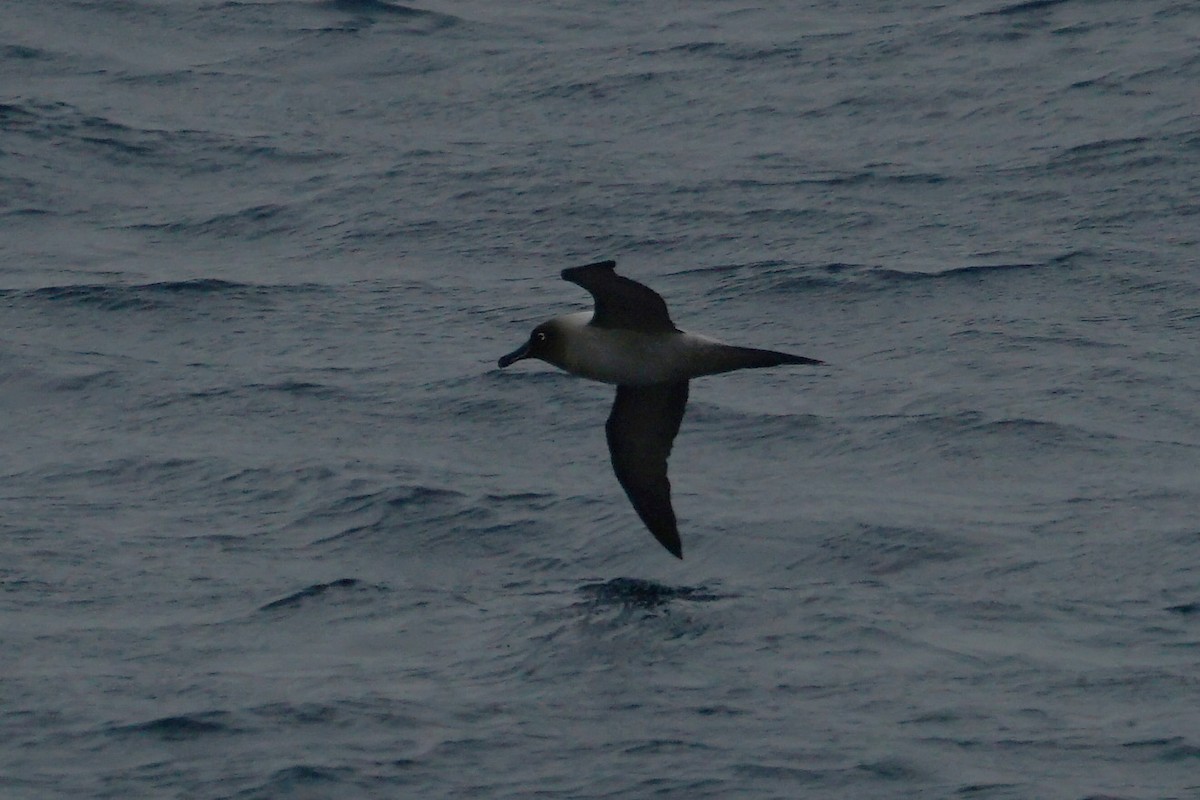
<point x="621" y="302"/>
<point x="641" y="430"/>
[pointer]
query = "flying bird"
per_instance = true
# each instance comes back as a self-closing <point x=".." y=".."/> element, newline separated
<point x="629" y="340"/>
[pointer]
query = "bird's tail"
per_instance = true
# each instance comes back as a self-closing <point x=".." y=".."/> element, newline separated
<point x="730" y="357"/>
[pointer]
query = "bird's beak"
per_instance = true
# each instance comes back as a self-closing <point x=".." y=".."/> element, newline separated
<point x="515" y="356"/>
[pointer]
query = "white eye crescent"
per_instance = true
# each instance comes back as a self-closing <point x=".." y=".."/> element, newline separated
<point x="540" y="336"/>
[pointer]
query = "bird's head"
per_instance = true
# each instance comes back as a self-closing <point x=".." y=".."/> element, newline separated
<point x="545" y="343"/>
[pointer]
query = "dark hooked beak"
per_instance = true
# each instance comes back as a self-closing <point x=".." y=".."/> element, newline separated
<point x="515" y="355"/>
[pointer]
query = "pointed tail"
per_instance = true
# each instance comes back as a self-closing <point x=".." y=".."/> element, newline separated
<point x="729" y="358"/>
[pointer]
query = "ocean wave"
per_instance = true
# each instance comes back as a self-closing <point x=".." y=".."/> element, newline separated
<point x="782" y="278"/>
<point x="301" y="778"/>
<point x="147" y="296"/>
<point x="403" y="18"/>
<point x="181" y="727"/>
<point x="890" y="549"/>
<point x="977" y="271"/>
<point x="61" y="132"/>
<point x="366" y="516"/>
<point x="1025" y="7"/>
<point x="334" y="591"/>
<point x="250" y="222"/>
<point x="645" y="594"/>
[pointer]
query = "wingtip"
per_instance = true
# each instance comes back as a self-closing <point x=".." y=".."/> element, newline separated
<point x="672" y="543"/>
<point x="810" y="362"/>
<point x="609" y="264"/>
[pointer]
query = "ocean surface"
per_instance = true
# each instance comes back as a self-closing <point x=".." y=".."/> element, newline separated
<point x="274" y="525"/>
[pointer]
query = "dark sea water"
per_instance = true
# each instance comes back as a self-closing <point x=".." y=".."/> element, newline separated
<point x="273" y="524"/>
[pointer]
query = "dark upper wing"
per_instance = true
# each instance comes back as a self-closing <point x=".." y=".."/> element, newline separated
<point x="641" y="430"/>
<point x="620" y="302"/>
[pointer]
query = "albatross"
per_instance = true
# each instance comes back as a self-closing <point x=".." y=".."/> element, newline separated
<point x="629" y="340"/>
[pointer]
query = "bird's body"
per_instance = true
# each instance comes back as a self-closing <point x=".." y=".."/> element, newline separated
<point x="638" y="358"/>
<point x="630" y="341"/>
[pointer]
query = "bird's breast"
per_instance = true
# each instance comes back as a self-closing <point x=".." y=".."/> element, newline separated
<point x="635" y="358"/>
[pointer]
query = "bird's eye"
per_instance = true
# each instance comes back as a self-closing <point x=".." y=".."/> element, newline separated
<point x="540" y="336"/>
